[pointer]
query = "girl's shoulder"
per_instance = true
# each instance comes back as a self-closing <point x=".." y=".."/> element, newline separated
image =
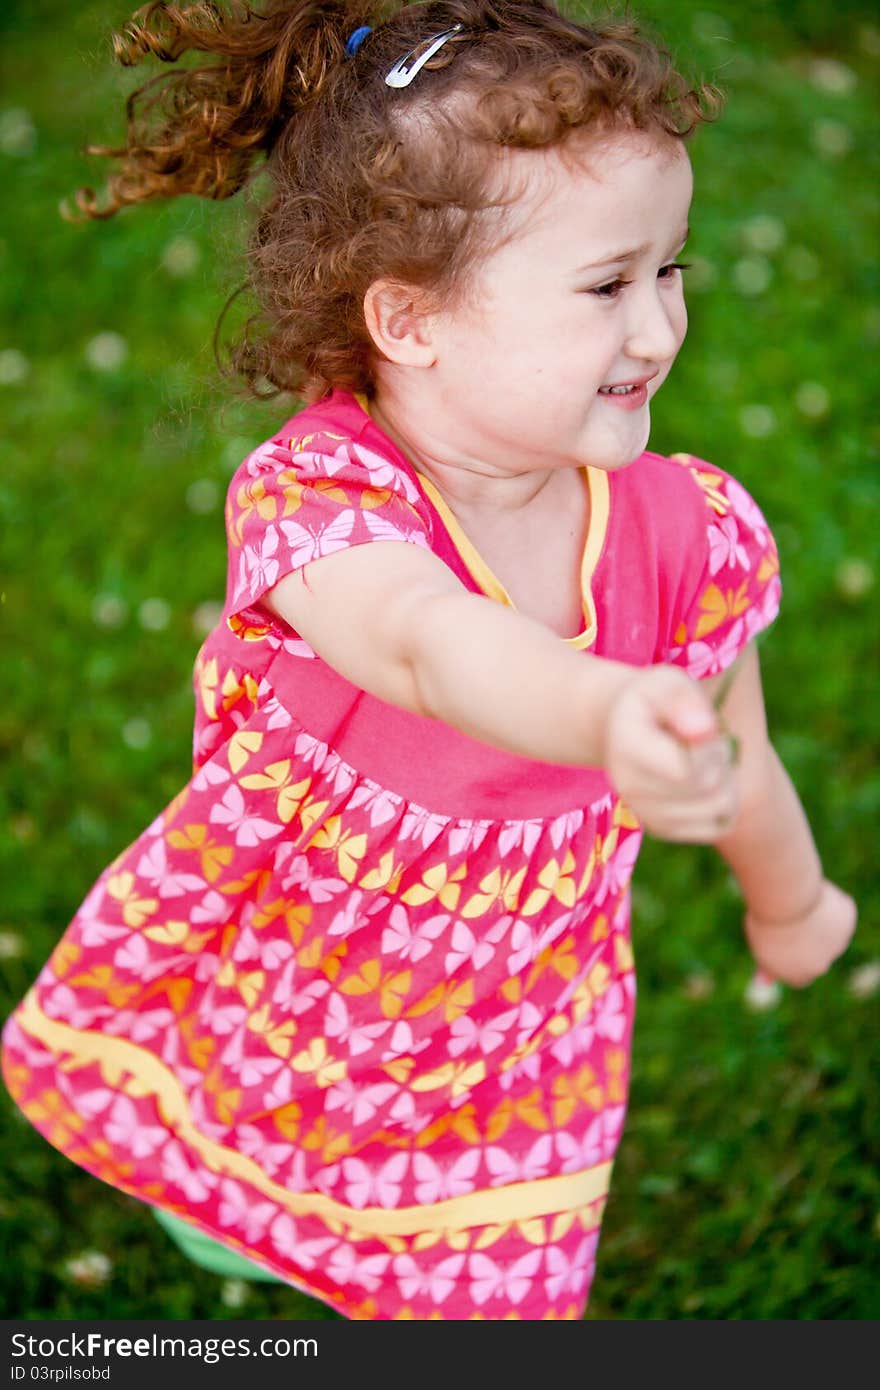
<point x="687" y="475"/>
<point x="713" y="555"/>
<point x="331" y="442"/>
<point x="328" y="480"/>
<point x="683" y="491"/>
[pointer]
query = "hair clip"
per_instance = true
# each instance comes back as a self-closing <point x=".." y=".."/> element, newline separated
<point x="405" y="69"/>
<point x="356" y="39"/>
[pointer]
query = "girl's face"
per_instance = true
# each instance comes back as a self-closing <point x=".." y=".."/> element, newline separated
<point x="583" y="296"/>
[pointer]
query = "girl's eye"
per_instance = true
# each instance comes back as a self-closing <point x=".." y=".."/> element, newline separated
<point x="666" y="272"/>
<point x="611" y="290"/>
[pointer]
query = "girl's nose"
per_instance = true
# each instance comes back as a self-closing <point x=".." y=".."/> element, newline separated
<point x="657" y="326"/>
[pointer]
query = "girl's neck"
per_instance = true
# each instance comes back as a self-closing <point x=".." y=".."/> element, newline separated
<point x="468" y="481"/>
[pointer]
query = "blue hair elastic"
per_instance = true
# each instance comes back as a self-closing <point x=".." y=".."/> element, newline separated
<point x="356" y="39"/>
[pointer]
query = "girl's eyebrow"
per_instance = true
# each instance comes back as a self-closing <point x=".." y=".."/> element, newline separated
<point x="631" y="254"/>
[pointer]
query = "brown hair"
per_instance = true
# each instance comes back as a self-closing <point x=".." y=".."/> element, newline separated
<point x="367" y="182"/>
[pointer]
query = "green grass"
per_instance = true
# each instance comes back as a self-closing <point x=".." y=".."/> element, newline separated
<point x="747" y="1184"/>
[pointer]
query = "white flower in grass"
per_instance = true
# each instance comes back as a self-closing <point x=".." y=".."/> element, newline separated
<point x="762" y="993"/>
<point x="757" y="421"/>
<point x="154" y="614"/>
<point x="854" y="578"/>
<point x="23" y="827"/>
<point x="106" y="352"/>
<point x="812" y="400"/>
<point x="181" y="256"/>
<point x="236" y="450"/>
<point x="763" y="233"/>
<point x="11" y="945"/>
<point x="831" y="76"/>
<point x="108" y="610"/>
<point x="234" y="1293"/>
<point x="136" y="733"/>
<point x="90" y="1270"/>
<point x="864" y="981"/>
<point x="17" y="134"/>
<point x="14" y="367"/>
<point x="699" y="985"/>
<point x="206" y="617"/>
<point x="832" y="138"/>
<point x="752" y="275"/>
<point x="202" y="496"/>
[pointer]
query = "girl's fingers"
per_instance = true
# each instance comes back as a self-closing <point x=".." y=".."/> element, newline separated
<point x="671" y="770"/>
<point x="711" y="761"/>
<point x="687" y="713"/>
<point x="697" y="833"/>
<point x="696" y="821"/>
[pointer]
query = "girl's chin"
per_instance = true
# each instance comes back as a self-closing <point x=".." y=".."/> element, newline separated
<point x="620" y="451"/>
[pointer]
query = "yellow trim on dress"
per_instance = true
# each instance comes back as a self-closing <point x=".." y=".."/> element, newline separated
<point x="490" y="584"/>
<point x="597" y="482"/>
<point x="139" y="1073"/>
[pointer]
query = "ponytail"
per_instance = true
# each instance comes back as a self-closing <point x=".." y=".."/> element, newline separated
<point x="204" y="130"/>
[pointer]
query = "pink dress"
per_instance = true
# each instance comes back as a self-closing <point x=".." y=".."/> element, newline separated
<point x="358" y="1003"/>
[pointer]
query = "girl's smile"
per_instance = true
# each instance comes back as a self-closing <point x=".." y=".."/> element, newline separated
<point x="627" y="396"/>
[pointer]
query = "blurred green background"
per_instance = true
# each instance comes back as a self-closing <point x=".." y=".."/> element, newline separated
<point x="747" y="1185"/>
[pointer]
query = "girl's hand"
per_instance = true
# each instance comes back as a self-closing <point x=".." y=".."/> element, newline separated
<point x="669" y="758"/>
<point x="799" y="951"/>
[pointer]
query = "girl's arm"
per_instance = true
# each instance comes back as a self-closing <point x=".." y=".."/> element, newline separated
<point x="394" y="620"/>
<point x="797" y="922"/>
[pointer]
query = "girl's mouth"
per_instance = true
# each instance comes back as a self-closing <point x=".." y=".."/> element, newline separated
<point x="628" y="397"/>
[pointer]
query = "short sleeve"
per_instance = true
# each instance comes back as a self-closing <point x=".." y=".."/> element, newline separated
<point x="295" y="500"/>
<point x="733" y="589"/>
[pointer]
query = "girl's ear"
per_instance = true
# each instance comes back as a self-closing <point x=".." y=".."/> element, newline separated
<point x="400" y="327"/>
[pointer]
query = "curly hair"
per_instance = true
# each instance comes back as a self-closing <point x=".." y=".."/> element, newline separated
<point x="367" y="181"/>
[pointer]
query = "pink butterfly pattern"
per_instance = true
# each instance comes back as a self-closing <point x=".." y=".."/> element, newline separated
<point x="436" y="1182"/>
<point x="513" y="1282"/>
<point x="434" y="1284"/>
<point x="571" y="1276"/>
<point x="192" y="1179"/>
<point x="409" y="941"/>
<point x="364" y="1186"/>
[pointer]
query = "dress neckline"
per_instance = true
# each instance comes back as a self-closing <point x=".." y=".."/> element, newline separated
<point x="483" y="575"/>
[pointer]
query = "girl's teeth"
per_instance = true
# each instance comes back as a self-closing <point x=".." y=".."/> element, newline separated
<point x="615" y="390"/>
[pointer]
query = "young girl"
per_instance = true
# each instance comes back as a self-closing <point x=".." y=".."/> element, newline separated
<point x="358" y="1004"/>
